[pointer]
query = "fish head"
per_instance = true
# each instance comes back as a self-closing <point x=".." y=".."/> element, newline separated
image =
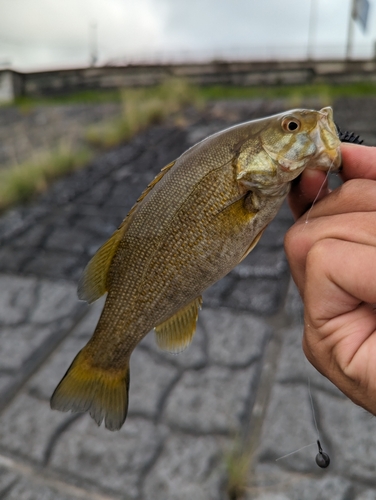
<point x="288" y="143"/>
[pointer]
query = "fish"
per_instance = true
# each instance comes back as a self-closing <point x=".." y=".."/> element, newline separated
<point x="196" y="221"/>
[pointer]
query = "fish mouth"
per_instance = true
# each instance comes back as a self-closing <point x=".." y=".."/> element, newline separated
<point x="325" y="160"/>
<point x="328" y="160"/>
<point x="328" y="156"/>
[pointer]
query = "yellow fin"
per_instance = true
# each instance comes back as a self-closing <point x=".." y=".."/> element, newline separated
<point x="93" y="280"/>
<point x="175" y="334"/>
<point x="103" y="393"/>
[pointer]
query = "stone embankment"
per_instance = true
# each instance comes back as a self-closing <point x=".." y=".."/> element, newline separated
<point x="244" y="383"/>
<point x="28" y="132"/>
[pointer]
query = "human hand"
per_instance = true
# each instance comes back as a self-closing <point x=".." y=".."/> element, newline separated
<point x="332" y="257"/>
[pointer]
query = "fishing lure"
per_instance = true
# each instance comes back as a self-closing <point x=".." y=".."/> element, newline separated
<point x="349" y="137"/>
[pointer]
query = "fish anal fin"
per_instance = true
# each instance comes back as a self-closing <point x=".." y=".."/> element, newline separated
<point x="93" y="280"/>
<point x="175" y="334"/>
<point x="103" y="393"/>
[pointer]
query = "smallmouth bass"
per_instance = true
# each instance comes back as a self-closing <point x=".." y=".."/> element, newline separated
<point x="197" y="220"/>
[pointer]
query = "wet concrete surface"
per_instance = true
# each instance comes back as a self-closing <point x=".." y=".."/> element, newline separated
<point x="26" y="131"/>
<point x="244" y="381"/>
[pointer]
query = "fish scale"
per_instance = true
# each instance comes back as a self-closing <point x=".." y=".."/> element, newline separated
<point x="196" y="221"/>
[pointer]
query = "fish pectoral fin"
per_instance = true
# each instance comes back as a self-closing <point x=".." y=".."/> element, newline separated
<point x="93" y="280"/>
<point x="103" y="393"/>
<point x="175" y="334"/>
<point x="252" y="245"/>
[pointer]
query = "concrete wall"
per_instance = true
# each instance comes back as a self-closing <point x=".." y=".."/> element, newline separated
<point x="10" y="85"/>
<point x="229" y="73"/>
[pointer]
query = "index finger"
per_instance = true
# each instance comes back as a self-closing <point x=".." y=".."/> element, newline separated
<point x="310" y="186"/>
<point x="358" y="162"/>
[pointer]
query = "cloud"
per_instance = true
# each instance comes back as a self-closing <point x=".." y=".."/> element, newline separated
<point x="44" y="31"/>
<point x="41" y="33"/>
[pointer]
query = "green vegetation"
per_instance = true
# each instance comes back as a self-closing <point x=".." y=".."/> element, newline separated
<point x="238" y="465"/>
<point x="20" y="182"/>
<point x="80" y="97"/>
<point x="142" y="107"/>
<point x="360" y="89"/>
<point x="212" y="92"/>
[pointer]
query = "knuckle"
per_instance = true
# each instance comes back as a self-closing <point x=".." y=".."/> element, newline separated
<point x="288" y="241"/>
<point x="318" y="253"/>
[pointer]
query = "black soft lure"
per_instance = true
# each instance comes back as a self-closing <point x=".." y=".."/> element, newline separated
<point x="348" y="136"/>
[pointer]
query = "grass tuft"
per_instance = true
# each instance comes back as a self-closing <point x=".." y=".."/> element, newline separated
<point x="20" y="182"/>
<point x="141" y="108"/>
<point x="238" y="465"/>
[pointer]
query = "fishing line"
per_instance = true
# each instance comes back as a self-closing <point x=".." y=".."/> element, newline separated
<point x="322" y="458"/>
<point x="349" y="137"/>
<point x="296" y="451"/>
<point x="313" y="408"/>
<point x="318" y="194"/>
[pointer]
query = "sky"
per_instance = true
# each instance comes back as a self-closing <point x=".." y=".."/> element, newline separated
<point x="42" y="34"/>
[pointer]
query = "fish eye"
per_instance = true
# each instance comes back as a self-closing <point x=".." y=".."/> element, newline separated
<point x="290" y="124"/>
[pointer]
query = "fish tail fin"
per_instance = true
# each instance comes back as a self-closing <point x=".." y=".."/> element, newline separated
<point x="103" y="393"/>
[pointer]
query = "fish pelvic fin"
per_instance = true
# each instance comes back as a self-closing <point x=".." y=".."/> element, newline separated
<point x="175" y="334"/>
<point x="103" y="393"/>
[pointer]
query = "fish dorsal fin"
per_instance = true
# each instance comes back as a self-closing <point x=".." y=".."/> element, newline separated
<point x="147" y="191"/>
<point x="93" y="281"/>
<point x="175" y="334"/>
